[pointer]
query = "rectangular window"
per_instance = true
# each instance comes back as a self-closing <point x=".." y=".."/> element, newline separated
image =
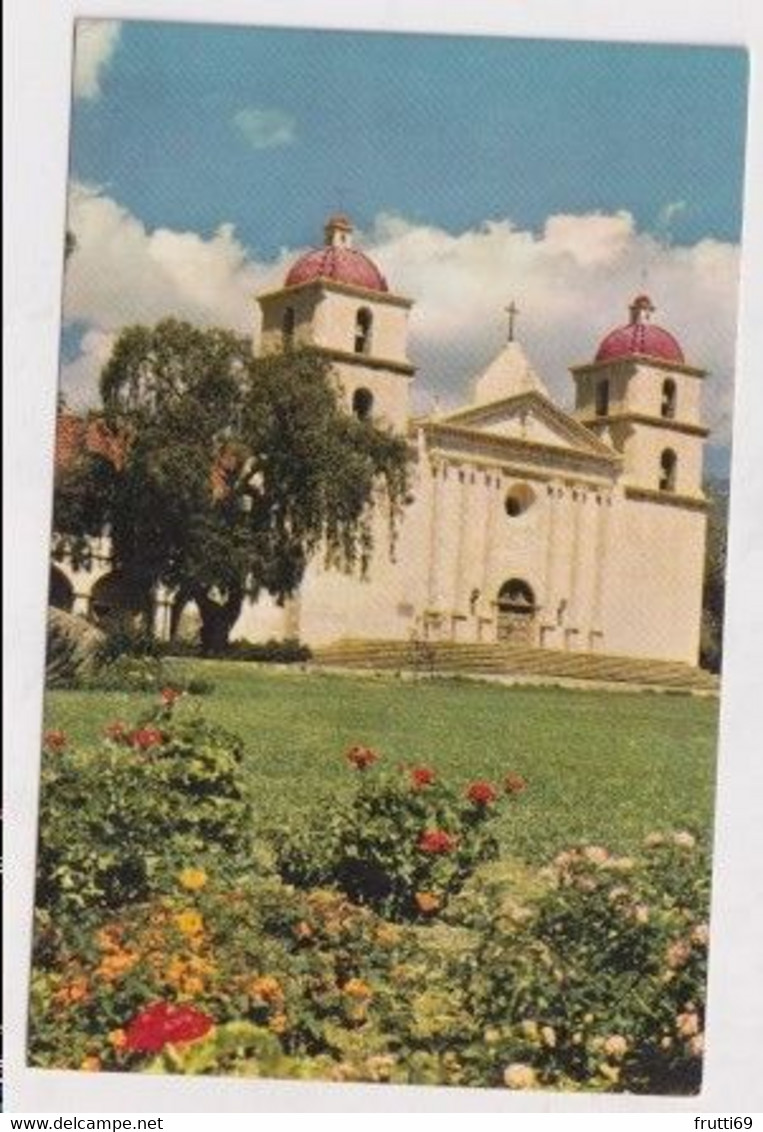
<point x="602" y="398"/>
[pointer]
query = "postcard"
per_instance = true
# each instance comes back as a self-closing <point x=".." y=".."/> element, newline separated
<point x="385" y="627"/>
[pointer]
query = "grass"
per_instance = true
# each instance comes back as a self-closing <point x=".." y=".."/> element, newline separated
<point x="601" y="767"/>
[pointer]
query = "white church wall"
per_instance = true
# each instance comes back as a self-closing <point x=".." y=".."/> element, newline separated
<point x="335" y="323"/>
<point x="390" y="392"/>
<point x="653" y="597"/>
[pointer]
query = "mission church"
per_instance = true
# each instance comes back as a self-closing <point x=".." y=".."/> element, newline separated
<point x="578" y="530"/>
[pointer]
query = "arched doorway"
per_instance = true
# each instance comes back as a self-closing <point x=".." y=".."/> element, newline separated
<point x="516" y="613"/>
<point x="60" y="594"/>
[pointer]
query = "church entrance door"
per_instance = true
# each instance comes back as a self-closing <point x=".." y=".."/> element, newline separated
<point x="516" y="613"/>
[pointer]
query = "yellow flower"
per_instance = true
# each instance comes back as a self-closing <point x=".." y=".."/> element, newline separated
<point x="91" y="1064"/>
<point x="615" y="1046"/>
<point x="548" y="1036"/>
<point x="609" y="1072"/>
<point x="267" y="988"/>
<point x="519" y="1076"/>
<point x="189" y="922"/>
<point x="193" y="879"/>
<point x="192" y="985"/>
<point x="278" y="1024"/>
<point x="700" y="934"/>
<point x="356" y="988"/>
<point x="530" y="1030"/>
<point x="117" y="1039"/>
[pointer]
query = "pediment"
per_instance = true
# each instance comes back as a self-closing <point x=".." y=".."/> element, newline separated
<point x="531" y="418"/>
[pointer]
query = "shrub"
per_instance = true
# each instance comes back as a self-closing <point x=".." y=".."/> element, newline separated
<point x="402" y="844"/>
<point x="305" y="971"/>
<point x="73" y="646"/>
<point x="269" y="652"/>
<point x="601" y="985"/>
<point x="266" y="652"/>
<point x="114" y="820"/>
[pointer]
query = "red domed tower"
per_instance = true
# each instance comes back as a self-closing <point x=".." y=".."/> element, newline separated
<point x="641" y="396"/>
<point x="335" y="299"/>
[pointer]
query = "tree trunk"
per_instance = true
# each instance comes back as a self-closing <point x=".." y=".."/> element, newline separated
<point x="217" y="620"/>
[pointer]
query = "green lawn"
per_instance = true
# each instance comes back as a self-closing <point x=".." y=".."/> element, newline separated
<point x="605" y="767"/>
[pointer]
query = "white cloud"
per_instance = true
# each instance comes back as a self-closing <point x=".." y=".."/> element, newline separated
<point x="572" y="282"/>
<point x="265" y="128"/>
<point x="94" y="45"/>
<point x="80" y="378"/>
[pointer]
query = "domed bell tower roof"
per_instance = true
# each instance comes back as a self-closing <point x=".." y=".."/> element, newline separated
<point x="640" y="337"/>
<point x="337" y="261"/>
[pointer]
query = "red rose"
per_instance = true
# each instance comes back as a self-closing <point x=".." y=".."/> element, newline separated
<point x="515" y="783"/>
<point x="481" y="793"/>
<point x="163" y="1023"/>
<point x="422" y="776"/>
<point x="169" y="696"/>
<point x="437" y="841"/>
<point x="146" y="737"/>
<point x="54" y="741"/>
<point x="361" y="757"/>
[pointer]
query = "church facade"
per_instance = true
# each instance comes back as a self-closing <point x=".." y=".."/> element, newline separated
<point x="575" y="530"/>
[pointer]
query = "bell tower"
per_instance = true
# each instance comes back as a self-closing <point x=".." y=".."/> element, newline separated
<point x="640" y="396"/>
<point x="335" y="300"/>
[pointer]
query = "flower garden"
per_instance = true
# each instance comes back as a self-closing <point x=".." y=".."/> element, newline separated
<point x="401" y="932"/>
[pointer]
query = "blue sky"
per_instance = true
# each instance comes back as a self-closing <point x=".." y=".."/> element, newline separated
<point x="477" y="170"/>
<point x="445" y="130"/>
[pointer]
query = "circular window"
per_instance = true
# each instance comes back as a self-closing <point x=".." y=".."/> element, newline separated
<point x="518" y="498"/>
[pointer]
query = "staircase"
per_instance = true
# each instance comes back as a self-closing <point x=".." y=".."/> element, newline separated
<point x="442" y="658"/>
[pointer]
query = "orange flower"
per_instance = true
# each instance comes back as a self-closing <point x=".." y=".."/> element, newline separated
<point x="71" y="993"/>
<point x="357" y="988"/>
<point x="514" y="783"/>
<point x="90" y="1064"/>
<point x="267" y="989"/>
<point x="54" y="741"/>
<point x="361" y="757"/>
<point x="116" y="964"/>
<point x="117" y="1039"/>
<point x="303" y="930"/>
<point x="278" y="1024"/>
<point x="427" y="902"/>
<point x="388" y="935"/>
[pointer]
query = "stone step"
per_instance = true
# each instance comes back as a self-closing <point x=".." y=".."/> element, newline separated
<point x="496" y="659"/>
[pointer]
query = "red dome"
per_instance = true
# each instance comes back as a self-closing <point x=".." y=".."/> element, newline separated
<point x="640" y="337"/>
<point x="344" y="265"/>
<point x="337" y="260"/>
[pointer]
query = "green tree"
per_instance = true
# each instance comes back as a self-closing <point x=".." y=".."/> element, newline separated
<point x="714" y="590"/>
<point x="220" y="475"/>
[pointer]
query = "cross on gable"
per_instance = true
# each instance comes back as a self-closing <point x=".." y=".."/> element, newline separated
<point x="512" y="310"/>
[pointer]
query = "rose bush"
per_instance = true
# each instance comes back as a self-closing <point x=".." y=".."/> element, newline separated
<point x="114" y="820"/>
<point x="383" y="942"/>
<point x="403" y="843"/>
<point x="601" y="983"/>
